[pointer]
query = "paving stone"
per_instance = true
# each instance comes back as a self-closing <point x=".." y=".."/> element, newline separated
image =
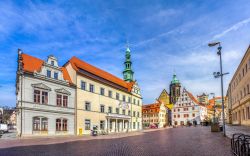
<point x="186" y="141"/>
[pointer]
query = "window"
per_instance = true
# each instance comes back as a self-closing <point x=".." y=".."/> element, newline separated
<point x="65" y="125"/>
<point x="178" y="110"/>
<point x="134" y="101"/>
<point x="134" y="114"/>
<point x="193" y="115"/>
<point x="123" y="111"/>
<point x="52" y="63"/>
<point x="36" y="123"/>
<point x="62" y="100"/>
<point x="87" y="106"/>
<point x="91" y="88"/>
<point x="248" y="113"/>
<point x="129" y="99"/>
<point x="102" y="91"/>
<point x="117" y="96"/>
<point x="117" y="111"/>
<point x="110" y="93"/>
<point x="138" y="102"/>
<point x="192" y="108"/>
<point x="243" y="114"/>
<point x="110" y="109"/>
<point x="44" y="126"/>
<point x="174" y="116"/>
<point x="87" y="124"/>
<point x="102" y="108"/>
<point x="123" y="98"/>
<point x="129" y="112"/>
<point x="178" y="116"/>
<point x="37" y="96"/>
<point x="138" y="114"/>
<point x="102" y="124"/>
<point x="55" y="75"/>
<point x="44" y="97"/>
<point x="40" y="124"/>
<point x="133" y="125"/>
<point x="83" y="85"/>
<point x="40" y="96"/>
<point x="65" y="101"/>
<point x="59" y="100"/>
<point x="58" y="124"/>
<point x="48" y="73"/>
<point x="248" y="90"/>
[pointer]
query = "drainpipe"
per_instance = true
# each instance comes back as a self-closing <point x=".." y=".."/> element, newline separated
<point x="20" y="74"/>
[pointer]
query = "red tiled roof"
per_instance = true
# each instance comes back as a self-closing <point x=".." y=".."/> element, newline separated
<point x="32" y="64"/>
<point x="151" y="108"/>
<point x="192" y="97"/>
<point x="66" y="75"/>
<point x="79" y="64"/>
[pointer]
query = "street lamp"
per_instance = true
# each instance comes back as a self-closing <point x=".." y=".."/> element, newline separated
<point x="217" y="75"/>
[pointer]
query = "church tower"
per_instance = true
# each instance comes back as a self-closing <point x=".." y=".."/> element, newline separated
<point x="175" y="88"/>
<point x="128" y="72"/>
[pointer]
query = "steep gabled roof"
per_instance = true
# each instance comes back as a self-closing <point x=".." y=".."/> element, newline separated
<point x="32" y="64"/>
<point x="192" y="97"/>
<point x="79" y="64"/>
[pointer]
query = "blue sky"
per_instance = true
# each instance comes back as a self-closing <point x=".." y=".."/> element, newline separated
<point x="164" y="36"/>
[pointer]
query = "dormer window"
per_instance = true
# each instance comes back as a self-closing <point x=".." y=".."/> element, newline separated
<point x="56" y="75"/>
<point x="52" y="63"/>
<point x="48" y="73"/>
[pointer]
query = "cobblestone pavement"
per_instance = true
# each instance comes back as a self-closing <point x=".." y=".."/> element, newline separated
<point x="186" y="141"/>
<point x="230" y="130"/>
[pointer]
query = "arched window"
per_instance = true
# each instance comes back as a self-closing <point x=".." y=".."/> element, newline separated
<point x="65" y="125"/>
<point x="58" y="125"/>
<point x="40" y="123"/>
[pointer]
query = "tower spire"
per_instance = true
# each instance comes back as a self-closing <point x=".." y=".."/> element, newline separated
<point x="128" y="72"/>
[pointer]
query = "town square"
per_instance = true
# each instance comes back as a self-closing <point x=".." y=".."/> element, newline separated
<point x="125" y="78"/>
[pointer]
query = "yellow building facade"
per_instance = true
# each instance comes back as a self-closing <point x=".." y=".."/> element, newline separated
<point x="104" y="101"/>
<point x="239" y="93"/>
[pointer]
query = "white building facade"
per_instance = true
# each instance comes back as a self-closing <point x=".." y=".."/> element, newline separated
<point x="187" y="110"/>
<point x="45" y="98"/>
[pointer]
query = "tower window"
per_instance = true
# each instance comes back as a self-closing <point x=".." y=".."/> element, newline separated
<point x="52" y="63"/>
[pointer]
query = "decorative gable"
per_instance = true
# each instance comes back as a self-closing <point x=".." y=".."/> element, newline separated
<point x="41" y="86"/>
<point x="63" y="91"/>
<point x="136" y="89"/>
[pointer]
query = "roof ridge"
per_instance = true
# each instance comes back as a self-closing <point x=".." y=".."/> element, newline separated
<point x="74" y="57"/>
<point x="77" y="64"/>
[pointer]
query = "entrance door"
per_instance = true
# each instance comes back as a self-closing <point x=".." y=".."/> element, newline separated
<point x="119" y="126"/>
<point x="182" y="123"/>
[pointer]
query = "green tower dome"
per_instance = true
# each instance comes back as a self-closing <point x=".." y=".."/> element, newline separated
<point x="175" y="80"/>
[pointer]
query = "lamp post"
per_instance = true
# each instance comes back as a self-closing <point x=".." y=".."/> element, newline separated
<point x="217" y="75"/>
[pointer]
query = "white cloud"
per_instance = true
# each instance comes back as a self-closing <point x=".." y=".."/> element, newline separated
<point x="233" y="28"/>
